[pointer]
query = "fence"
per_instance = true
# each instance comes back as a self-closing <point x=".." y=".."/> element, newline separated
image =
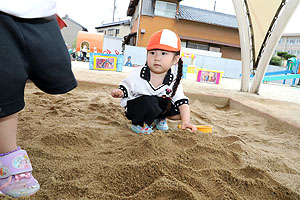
<point x="231" y="68"/>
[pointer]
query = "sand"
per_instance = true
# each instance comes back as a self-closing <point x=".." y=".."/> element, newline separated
<point x="81" y="146"/>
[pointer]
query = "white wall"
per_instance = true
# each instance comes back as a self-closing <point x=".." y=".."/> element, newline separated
<point x="138" y="54"/>
<point x="112" y="44"/>
<point x="201" y="52"/>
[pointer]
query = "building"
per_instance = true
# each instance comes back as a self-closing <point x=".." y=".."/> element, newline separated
<point x="115" y="29"/>
<point x="70" y="32"/>
<point x="197" y="28"/>
<point x="289" y="42"/>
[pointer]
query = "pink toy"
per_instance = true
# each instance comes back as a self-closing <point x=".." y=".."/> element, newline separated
<point x="209" y="76"/>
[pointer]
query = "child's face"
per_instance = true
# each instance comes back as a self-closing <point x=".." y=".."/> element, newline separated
<point x="160" y="61"/>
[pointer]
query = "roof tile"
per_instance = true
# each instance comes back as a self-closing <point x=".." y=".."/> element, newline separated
<point x="207" y="16"/>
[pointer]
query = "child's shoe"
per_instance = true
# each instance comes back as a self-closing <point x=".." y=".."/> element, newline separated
<point x="161" y="124"/>
<point x="16" y="179"/>
<point x="146" y="129"/>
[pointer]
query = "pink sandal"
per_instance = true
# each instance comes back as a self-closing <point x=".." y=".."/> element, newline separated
<point x="16" y="179"/>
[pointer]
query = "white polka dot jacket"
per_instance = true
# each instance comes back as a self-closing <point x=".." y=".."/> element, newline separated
<point x="138" y="84"/>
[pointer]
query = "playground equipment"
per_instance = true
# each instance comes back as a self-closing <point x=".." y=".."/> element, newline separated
<point x="189" y="55"/>
<point x="292" y="72"/>
<point x="106" y="62"/>
<point x="199" y="74"/>
<point x="209" y="76"/>
<point x="189" y="71"/>
<point x="261" y="24"/>
<point x="97" y="43"/>
<point x="202" y="128"/>
<point x="91" y="40"/>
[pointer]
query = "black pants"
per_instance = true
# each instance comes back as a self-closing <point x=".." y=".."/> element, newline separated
<point x="148" y="108"/>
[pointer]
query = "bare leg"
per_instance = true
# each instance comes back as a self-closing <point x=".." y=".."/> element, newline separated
<point x="174" y="117"/>
<point x="20" y="183"/>
<point x="8" y="133"/>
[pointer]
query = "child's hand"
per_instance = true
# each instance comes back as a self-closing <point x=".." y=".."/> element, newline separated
<point x="117" y="93"/>
<point x="185" y="125"/>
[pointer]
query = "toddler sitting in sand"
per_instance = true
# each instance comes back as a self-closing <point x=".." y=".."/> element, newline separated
<point x="153" y="93"/>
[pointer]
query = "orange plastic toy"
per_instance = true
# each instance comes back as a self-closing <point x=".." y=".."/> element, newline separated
<point x="202" y="128"/>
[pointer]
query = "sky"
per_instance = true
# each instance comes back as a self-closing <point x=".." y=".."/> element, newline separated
<point x="91" y="13"/>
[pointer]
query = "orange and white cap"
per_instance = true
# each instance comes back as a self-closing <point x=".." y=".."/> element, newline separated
<point x="164" y="39"/>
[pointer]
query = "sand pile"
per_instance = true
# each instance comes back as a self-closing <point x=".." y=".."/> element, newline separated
<point x="81" y="148"/>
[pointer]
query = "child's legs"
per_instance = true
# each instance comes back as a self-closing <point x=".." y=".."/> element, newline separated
<point x="143" y="109"/>
<point x="174" y="117"/>
<point x="12" y="81"/>
<point x="8" y="132"/>
<point x="13" y="76"/>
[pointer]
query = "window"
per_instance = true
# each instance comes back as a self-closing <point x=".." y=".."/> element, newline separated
<point x="281" y="41"/>
<point x="110" y="32"/>
<point x="165" y="9"/>
<point x="117" y="32"/>
<point x="291" y="41"/>
<point x="215" y="49"/>
<point x="294" y="52"/>
<point x="183" y="44"/>
<point x="193" y="45"/>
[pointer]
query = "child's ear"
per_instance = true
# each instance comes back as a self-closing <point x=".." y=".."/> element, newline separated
<point x="176" y="59"/>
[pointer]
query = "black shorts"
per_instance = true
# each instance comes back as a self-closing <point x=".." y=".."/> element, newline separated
<point x="148" y="108"/>
<point x="31" y="49"/>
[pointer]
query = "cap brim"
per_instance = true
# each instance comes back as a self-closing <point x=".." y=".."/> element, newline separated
<point x="162" y="47"/>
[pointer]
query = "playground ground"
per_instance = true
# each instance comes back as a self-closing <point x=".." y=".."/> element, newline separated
<point x="81" y="147"/>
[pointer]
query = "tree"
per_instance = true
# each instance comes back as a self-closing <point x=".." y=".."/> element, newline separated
<point x="275" y="61"/>
<point x="285" y="55"/>
<point x="74" y="43"/>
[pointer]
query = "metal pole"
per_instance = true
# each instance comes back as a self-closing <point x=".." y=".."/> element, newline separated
<point x="244" y="42"/>
<point x="215" y="5"/>
<point x="114" y="10"/>
<point x="139" y="21"/>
